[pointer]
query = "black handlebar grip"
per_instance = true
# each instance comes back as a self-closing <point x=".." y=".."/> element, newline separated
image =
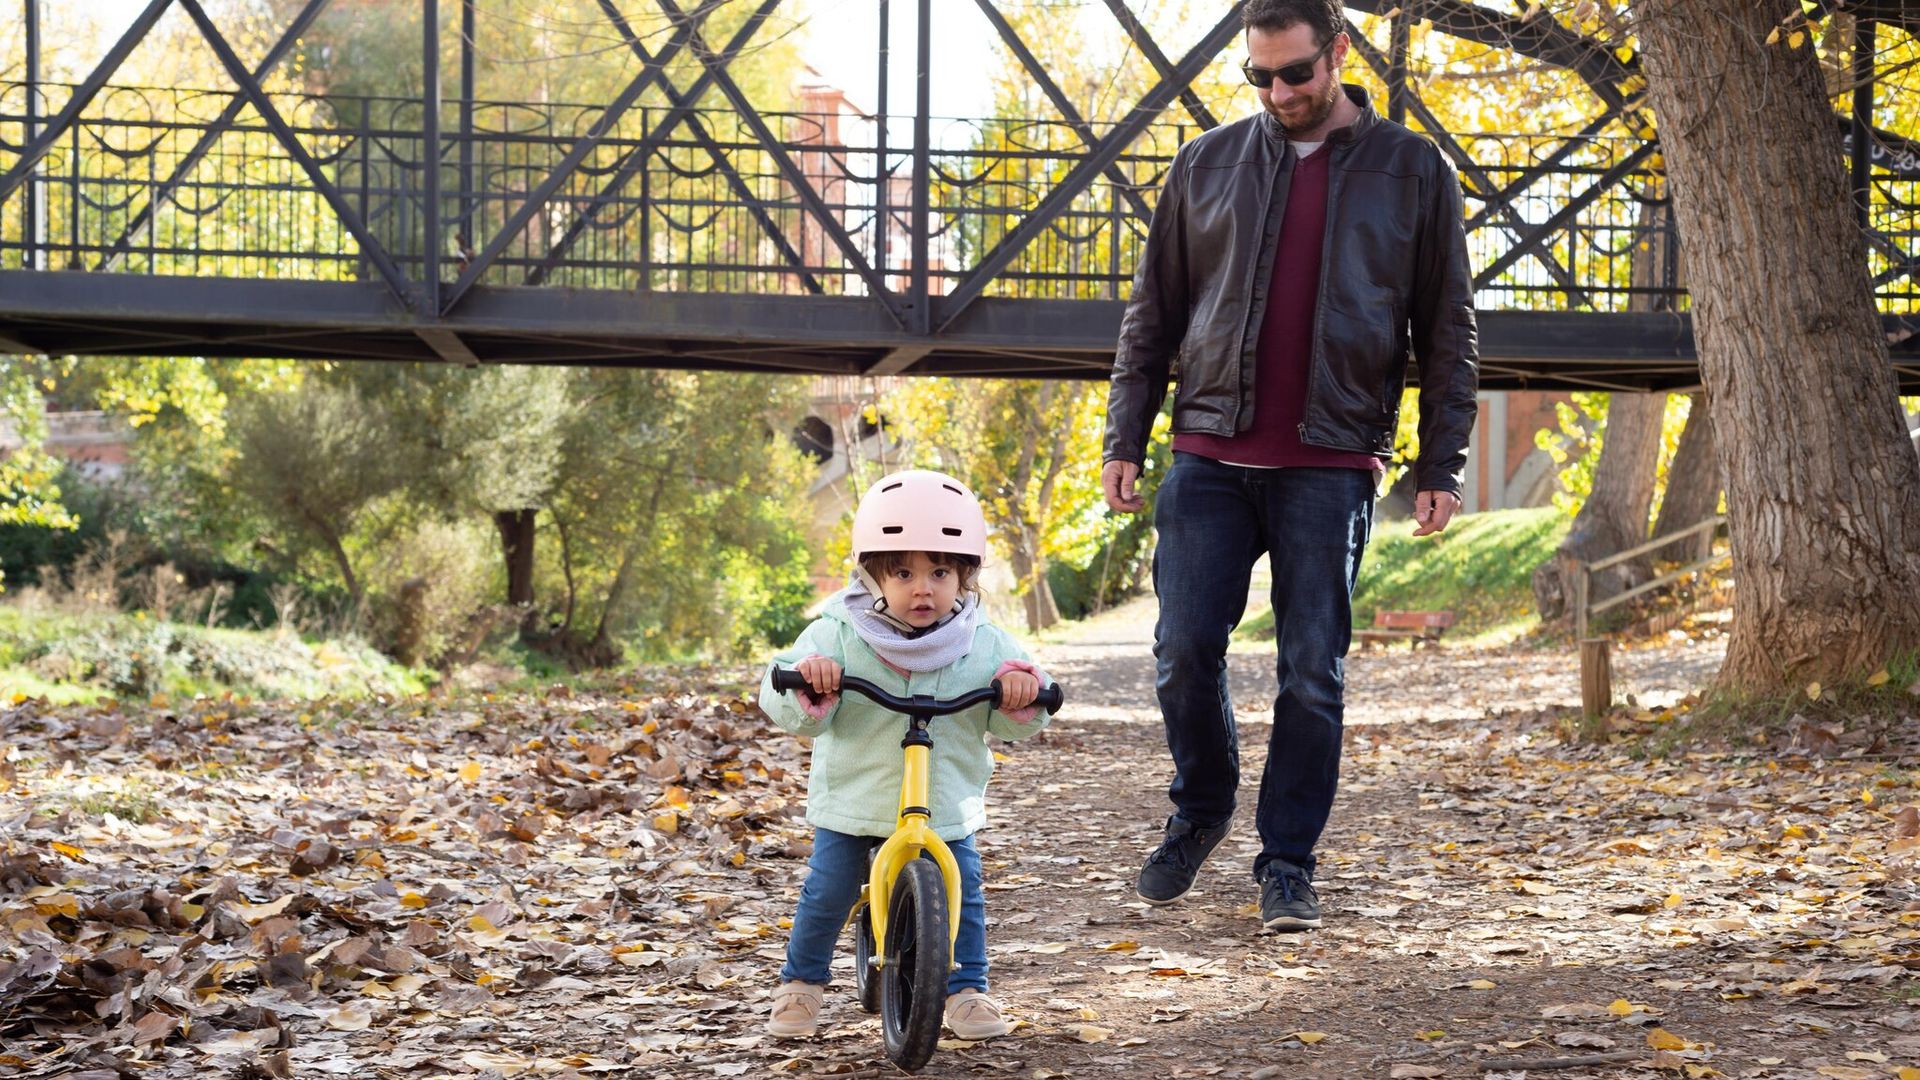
<point x="786" y="680"/>
<point x="1051" y="698"/>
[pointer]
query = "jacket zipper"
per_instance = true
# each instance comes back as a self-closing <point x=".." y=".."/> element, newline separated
<point x="1246" y="322"/>
<point x="1336" y="176"/>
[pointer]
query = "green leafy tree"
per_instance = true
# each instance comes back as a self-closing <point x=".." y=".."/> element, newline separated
<point x="1024" y="447"/>
<point x="313" y="459"/>
<point x="676" y="510"/>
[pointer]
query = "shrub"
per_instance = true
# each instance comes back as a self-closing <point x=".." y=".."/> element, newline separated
<point x="424" y="585"/>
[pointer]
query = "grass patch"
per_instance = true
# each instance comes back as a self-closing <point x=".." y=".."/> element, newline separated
<point x="1480" y="568"/>
<point x="90" y="657"/>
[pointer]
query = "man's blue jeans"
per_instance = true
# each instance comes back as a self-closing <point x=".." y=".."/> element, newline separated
<point x="1214" y="521"/>
<point x="834" y="875"/>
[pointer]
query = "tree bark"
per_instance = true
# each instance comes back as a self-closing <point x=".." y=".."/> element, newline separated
<point x="1823" y="485"/>
<point x="516" y="547"/>
<point x="335" y="543"/>
<point x="602" y="644"/>
<point x="1614" y="517"/>
<point x="1693" y="487"/>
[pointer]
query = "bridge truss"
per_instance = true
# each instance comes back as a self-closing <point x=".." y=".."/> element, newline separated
<point x="680" y="224"/>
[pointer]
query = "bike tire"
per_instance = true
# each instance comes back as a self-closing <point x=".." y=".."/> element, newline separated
<point x="865" y="978"/>
<point x="913" y="984"/>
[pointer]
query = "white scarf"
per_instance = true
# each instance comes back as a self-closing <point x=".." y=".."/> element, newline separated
<point x="929" y="650"/>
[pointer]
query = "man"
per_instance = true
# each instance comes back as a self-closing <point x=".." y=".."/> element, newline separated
<point x="1295" y="258"/>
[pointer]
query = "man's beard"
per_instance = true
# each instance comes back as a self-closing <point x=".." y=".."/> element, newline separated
<point x="1318" y="110"/>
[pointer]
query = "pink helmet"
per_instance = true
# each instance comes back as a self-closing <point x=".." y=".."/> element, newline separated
<point x="920" y="510"/>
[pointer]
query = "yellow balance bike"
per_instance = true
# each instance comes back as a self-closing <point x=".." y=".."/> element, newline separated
<point x="911" y="901"/>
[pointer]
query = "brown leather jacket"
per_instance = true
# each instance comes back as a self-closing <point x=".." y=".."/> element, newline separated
<point x="1394" y="281"/>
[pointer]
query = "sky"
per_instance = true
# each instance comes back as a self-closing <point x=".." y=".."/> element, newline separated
<point x="840" y="40"/>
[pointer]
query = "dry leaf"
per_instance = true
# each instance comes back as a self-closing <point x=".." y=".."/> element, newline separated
<point x="348" y="1018"/>
<point x="504" y="1064"/>
<point x="1660" y="1038"/>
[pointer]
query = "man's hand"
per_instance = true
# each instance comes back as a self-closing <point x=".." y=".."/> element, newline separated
<point x="1432" y="510"/>
<point x="1117" y="479"/>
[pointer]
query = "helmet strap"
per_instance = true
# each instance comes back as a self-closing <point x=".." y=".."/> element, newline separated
<point x="872" y="585"/>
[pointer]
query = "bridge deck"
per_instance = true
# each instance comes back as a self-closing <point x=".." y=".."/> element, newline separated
<point x="125" y="314"/>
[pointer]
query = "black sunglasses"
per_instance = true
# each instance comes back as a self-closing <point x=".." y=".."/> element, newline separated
<point x="1299" y="74"/>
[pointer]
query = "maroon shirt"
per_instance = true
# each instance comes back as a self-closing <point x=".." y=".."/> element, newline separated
<point x="1286" y="343"/>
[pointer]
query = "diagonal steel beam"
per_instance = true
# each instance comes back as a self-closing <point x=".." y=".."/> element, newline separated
<point x="876" y="285"/>
<point x="104" y="70"/>
<point x="1106" y="153"/>
<point x="1541" y="37"/>
<point x="447" y="345"/>
<point x="1900" y="262"/>
<point x="537" y="199"/>
<point x="1499" y="201"/>
<point x="1162" y="66"/>
<point x="1565" y="214"/>
<point x="370" y="247"/>
<point x="1451" y="147"/>
<point x="221" y="124"/>
<point x="1063" y="103"/>
<point x="683" y="111"/>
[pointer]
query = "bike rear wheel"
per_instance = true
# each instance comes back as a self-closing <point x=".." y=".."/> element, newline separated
<point x="865" y="978"/>
<point x="913" y="984"/>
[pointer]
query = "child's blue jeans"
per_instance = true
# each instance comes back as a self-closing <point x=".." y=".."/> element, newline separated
<point x="834" y="876"/>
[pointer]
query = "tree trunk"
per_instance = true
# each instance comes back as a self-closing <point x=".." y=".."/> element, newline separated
<point x="1031" y="569"/>
<point x="602" y="643"/>
<point x="1614" y="517"/>
<point x="516" y="546"/>
<point x="1823" y="485"/>
<point x="337" y="548"/>
<point x="1693" y="487"/>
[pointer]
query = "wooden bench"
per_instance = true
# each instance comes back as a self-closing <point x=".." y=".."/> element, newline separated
<point x="1415" y="627"/>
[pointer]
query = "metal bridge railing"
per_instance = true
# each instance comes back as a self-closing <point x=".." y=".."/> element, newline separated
<point x="150" y="181"/>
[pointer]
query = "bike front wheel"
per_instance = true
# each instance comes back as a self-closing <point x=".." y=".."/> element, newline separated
<point x="913" y="984"/>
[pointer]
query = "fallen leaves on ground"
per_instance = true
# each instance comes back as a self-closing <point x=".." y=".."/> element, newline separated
<point x="579" y="883"/>
<point x="233" y="881"/>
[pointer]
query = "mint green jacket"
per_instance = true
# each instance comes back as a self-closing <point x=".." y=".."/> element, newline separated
<point x="854" y="784"/>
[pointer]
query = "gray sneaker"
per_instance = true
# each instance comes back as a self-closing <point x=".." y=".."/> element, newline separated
<point x="1170" y="870"/>
<point x="1287" y="899"/>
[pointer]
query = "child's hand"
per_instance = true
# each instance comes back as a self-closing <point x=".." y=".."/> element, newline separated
<point x="822" y="674"/>
<point x="1017" y="690"/>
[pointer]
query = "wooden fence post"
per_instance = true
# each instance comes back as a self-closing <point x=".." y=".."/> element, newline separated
<point x="1596" y="677"/>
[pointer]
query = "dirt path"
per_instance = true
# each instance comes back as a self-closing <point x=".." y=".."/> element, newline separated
<point x="578" y="884"/>
<point x="1465" y="899"/>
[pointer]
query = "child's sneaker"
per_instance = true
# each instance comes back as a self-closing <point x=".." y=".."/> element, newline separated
<point x="973" y="1016"/>
<point x="796" y="1010"/>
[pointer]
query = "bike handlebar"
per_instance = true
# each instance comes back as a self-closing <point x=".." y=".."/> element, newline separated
<point x="1051" y="697"/>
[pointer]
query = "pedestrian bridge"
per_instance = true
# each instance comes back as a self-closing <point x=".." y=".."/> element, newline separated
<point x="679" y="225"/>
